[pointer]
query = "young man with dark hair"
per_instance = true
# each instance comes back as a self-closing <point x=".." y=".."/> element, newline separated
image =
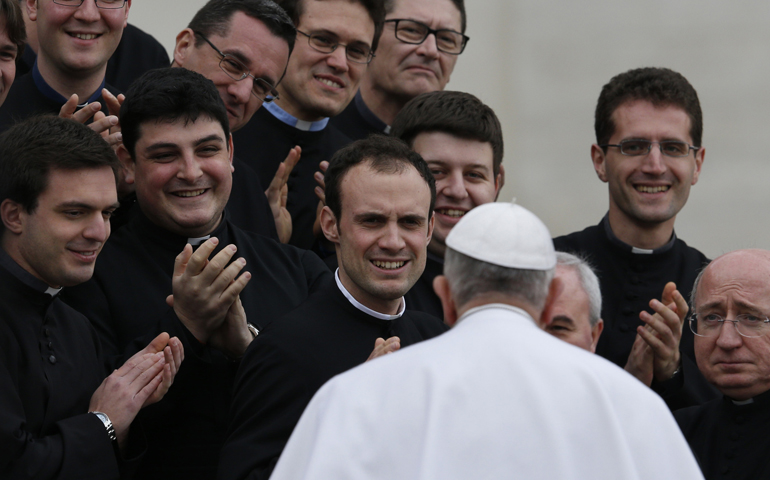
<point x="178" y="154"/>
<point x="76" y="39"/>
<point x="60" y="417"/>
<point x="243" y="46"/>
<point x="335" y="42"/>
<point x="648" y="132"/>
<point x="379" y="217"/>
<point x="409" y="62"/>
<point x="12" y="38"/>
<point x="462" y="141"/>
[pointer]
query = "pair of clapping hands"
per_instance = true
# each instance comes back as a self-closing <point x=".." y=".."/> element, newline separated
<point x="655" y="353"/>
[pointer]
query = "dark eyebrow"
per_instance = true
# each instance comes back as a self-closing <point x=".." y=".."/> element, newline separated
<point x="563" y="318"/>
<point x="368" y="216"/>
<point x="85" y="206"/>
<point x="413" y="218"/>
<point x="479" y="166"/>
<point x="247" y="63"/>
<point x="211" y="138"/>
<point x="160" y="145"/>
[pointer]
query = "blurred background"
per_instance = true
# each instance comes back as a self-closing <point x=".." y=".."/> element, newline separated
<point x="541" y="65"/>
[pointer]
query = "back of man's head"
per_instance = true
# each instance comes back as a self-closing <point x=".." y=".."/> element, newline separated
<point x="375" y="8"/>
<point x="455" y="113"/>
<point x="11" y="13"/>
<point x="660" y="86"/>
<point x="215" y="16"/>
<point x="31" y="149"/>
<point x="383" y="154"/>
<point x="167" y="95"/>
<point x="500" y="250"/>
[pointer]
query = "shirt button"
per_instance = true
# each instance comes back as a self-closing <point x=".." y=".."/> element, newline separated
<point x="624" y="327"/>
<point x="47" y="332"/>
<point x="628" y="311"/>
<point x="52" y="359"/>
<point x="50" y="345"/>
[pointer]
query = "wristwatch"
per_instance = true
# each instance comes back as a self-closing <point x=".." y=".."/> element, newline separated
<point x="107" y="424"/>
<point x="253" y="330"/>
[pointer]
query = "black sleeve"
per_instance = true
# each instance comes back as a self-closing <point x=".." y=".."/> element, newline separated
<point x="687" y="388"/>
<point x="270" y="395"/>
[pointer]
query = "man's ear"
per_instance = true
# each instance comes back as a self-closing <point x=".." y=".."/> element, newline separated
<point x="329" y="225"/>
<point x="596" y="332"/>
<point x="184" y="42"/>
<point x="31" y="6"/>
<point x="499" y="180"/>
<point x="600" y="164"/>
<point x="431" y="224"/>
<point x="441" y="287"/>
<point x="700" y="155"/>
<point x="12" y="213"/>
<point x="231" y="152"/>
<point x="554" y="290"/>
<point x="128" y="7"/>
<point x="128" y="164"/>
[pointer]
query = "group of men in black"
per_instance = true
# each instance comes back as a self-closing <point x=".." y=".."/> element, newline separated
<point x="270" y="211"/>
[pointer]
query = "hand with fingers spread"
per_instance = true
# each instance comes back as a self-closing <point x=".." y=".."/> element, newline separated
<point x="384" y="347"/>
<point x="277" y="194"/>
<point x="203" y="289"/>
<point x="233" y="336"/>
<point x="663" y="331"/>
<point x="105" y="125"/>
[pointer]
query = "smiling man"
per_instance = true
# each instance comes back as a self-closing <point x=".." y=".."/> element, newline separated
<point x="335" y="42"/>
<point x="178" y="153"/>
<point x="417" y="52"/>
<point x="731" y="299"/>
<point x="461" y="140"/>
<point x="378" y="215"/>
<point x="76" y="38"/>
<point x="648" y="150"/>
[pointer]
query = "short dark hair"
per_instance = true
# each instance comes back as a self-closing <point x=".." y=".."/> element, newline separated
<point x="383" y="154"/>
<point x="390" y="5"/>
<point x="167" y="95"/>
<point x="30" y="149"/>
<point x="215" y="17"/>
<point x="455" y="113"/>
<point x="660" y="86"/>
<point x="376" y="10"/>
<point x="14" y="24"/>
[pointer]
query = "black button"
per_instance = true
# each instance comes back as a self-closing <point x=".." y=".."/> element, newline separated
<point x="52" y="359"/>
<point x="47" y="332"/>
<point x="628" y="311"/>
<point x="624" y="328"/>
<point x="50" y="345"/>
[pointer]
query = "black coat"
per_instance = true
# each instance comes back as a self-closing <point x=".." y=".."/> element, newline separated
<point x="730" y="441"/>
<point x="290" y="361"/>
<point x="628" y="282"/>
<point x="125" y="301"/>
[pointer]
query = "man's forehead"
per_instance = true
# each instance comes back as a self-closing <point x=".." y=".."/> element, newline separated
<point x="445" y="12"/>
<point x="643" y="118"/>
<point x="403" y="178"/>
<point x="742" y="276"/>
<point x="168" y="130"/>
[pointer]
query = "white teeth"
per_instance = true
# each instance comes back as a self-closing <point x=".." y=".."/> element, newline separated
<point x="451" y="212"/>
<point x="644" y="189"/>
<point x="329" y="82"/>
<point x="193" y="193"/>
<point x="85" y="36"/>
<point x="388" y="265"/>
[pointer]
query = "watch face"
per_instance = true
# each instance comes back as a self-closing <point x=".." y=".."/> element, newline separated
<point x="104" y="418"/>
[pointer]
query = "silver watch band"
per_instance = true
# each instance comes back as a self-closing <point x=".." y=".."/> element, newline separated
<point x="107" y="424"/>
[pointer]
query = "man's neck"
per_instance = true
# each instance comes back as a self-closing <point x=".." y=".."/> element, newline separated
<point x="648" y="236"/>
<point x="289" y="105"/>
<point x="84" y="84"/>
<point x="385" y="106"/>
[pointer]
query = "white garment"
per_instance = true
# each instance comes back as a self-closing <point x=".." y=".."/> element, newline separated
<point x="495" y="397"/>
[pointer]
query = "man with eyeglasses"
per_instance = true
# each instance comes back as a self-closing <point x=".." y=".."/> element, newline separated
<point x="243" y="46"/>
<point x="648" y="150"/>
<point x="336" y="40"/>
<point x="418" y="49"/>
<point x="731" y="302"/>
<point x="76" y="39"/>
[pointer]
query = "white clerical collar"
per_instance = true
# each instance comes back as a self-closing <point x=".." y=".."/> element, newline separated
<point x="743" y="402"/>
<point x="293" y="121"/>
<point x="502" y="306"/>
<point x="364" y="308"/>
<point x="195" y="241"/>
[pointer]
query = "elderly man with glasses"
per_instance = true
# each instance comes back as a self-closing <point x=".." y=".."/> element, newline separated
<point x="243" y="46"/>
<point x="417" y="52"/>
<point x="731" y="302"/>
<point x="648" y="150"/>
<point x="335" y="41"/>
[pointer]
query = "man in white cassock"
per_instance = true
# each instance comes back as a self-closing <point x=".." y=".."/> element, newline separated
<point x="495" y="397"/>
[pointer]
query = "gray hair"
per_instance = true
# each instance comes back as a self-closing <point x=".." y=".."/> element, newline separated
<point x="589" y="282"/>
<point x="695" y="286"/>
<point x="469" y="278"/>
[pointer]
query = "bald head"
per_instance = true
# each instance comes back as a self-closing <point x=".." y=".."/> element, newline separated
<point x="737" y="283"/>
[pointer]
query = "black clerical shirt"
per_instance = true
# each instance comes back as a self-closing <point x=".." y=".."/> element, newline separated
<point x="126" y="302"/>
<point x="357" y="121"/>
<point x="50" y="366"/>
<point x="290" y="361"/>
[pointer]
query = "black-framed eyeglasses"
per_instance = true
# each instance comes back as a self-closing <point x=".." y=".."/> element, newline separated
<point x="355" y="52"/>
<point x="710" y="324"/>
<point x="669" y="148"/>
<point x="105" y="4"/>
<point x="414" y="32"/>
<point x="261" y="88"/>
